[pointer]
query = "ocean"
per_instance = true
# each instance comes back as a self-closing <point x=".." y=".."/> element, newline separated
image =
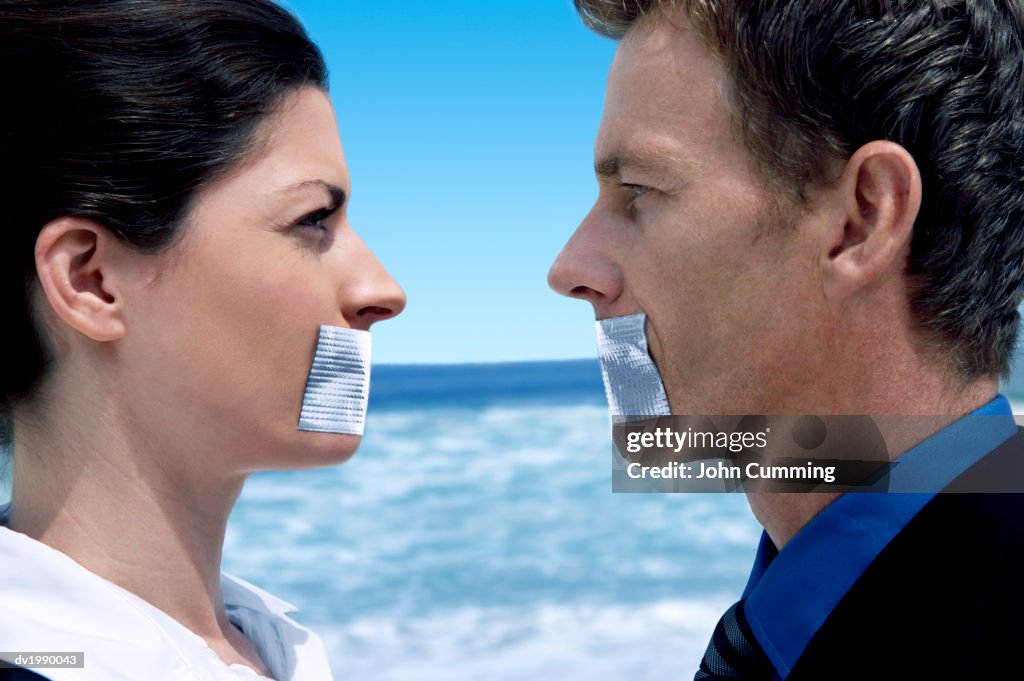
<point x="474" y="536"/>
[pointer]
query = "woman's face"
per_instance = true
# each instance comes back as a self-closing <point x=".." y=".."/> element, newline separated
<point x="219" y="344"/>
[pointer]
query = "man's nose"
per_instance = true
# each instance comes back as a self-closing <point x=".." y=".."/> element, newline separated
<point x="585" y="269"/>
<point x="372" y="294"/>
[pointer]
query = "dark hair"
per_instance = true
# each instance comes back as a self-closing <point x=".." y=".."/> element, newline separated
<point x="120" y="111"/>
<point x="813" y="80"/>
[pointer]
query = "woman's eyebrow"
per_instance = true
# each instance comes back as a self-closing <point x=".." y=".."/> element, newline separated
<point x="338" y="195"/>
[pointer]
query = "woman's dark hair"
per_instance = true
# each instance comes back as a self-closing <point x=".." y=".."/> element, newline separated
<point x="120" y="111"/>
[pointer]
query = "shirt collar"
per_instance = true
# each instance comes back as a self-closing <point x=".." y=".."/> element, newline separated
<point x="240" y="593"/>
<point x="823" y="561"/>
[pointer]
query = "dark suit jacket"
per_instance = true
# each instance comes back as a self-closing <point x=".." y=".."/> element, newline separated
<point x="19" y="674"/>
<point x="945" y="599"/>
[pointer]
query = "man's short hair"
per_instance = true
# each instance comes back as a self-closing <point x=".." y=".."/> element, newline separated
<point x="810" y="81"/>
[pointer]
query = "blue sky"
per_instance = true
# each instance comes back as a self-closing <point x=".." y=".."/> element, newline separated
<point x="468" y="127"/>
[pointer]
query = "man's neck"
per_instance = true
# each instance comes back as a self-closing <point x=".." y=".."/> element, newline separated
<point x="783" y="515"/>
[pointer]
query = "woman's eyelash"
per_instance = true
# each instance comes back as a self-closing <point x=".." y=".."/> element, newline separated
<point x="315" y="218"/>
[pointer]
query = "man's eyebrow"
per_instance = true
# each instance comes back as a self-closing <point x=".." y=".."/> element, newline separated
<point x="613" y="164"/>
<point x="338" y="195"/>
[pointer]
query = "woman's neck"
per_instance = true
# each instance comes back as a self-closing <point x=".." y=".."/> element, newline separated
<point x="129" y="513"/>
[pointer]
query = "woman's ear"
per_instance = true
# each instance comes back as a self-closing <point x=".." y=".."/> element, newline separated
<point x="78" y="262"/>
<point x="880" y="196"/>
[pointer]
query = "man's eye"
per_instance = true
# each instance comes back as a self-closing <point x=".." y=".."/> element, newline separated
<point x="635" y="190"/>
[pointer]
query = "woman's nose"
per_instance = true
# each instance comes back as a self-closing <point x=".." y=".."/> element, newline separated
<point x="373" y="295"/>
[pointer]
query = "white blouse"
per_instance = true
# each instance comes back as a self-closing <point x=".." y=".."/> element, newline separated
<point x="50" y="603"/>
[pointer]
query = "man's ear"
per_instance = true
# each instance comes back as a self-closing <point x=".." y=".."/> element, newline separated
<point x="77" y="265"/>
<point x="880" y="196"/>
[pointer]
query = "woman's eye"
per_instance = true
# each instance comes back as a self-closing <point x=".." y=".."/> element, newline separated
<point x="315" y="220"/>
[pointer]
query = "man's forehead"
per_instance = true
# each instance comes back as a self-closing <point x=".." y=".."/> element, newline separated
<point x="663" y="96"/>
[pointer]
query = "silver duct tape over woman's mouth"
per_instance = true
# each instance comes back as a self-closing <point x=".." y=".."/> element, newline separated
<point x="338" y="386"/>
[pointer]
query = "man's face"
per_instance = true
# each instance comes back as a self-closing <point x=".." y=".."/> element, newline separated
<point x="684" y="231"/>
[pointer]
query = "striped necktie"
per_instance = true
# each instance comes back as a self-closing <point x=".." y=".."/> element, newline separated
<point x="733" y="652"/>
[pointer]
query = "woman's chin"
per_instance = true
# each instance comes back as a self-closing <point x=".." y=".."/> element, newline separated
<point x="314" y="450"/>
